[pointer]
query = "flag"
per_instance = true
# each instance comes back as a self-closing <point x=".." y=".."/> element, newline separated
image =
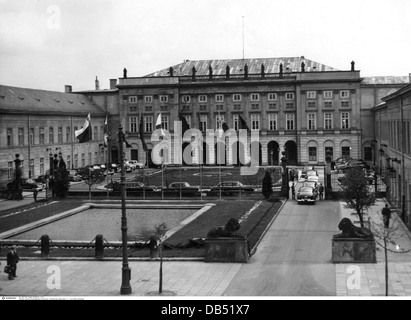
<point x="124" y="135"/>
<point x="184" y="122"/>
<point x="141" y="131"/>
<point x="84" y="134"/>
<point x="243" y="124"/>
<point x="106" y="132"/>
<point x="159" y="124"/>
<point x="225" y="127"/>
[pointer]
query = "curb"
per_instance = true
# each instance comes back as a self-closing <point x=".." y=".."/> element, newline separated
<point x="254" y="250"/>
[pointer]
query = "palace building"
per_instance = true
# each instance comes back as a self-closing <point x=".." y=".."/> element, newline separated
<point x="299" y="106"/>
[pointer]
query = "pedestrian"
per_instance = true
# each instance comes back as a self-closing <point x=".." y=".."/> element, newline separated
<point x="35" y="193"/>
<point x="12" y="260"/>
<point x="293" y="191"/>
<point x="321" y="191"/>
<point x="386" y="216"/>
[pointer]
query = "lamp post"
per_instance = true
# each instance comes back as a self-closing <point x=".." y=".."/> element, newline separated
<point x="126" y="271"/>
<point x="285" y="186"/>
<point x="328" y="185"/>
<point x="19" y="191"/>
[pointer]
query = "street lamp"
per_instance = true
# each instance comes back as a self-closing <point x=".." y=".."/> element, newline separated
<point x="126" y="271"/>
<point x="285" y="186"/>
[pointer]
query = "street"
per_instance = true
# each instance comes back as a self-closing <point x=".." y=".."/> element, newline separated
<point x="294" y="258"/>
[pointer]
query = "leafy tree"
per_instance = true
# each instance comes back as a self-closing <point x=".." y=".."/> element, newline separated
<point x="267" y="185"/>
<point x="356" y="191"/>
<point x="62" y="183"/>
<point x="92" y="177"/>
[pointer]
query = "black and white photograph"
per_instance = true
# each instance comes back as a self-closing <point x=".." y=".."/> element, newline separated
<point x="205" y="155"/>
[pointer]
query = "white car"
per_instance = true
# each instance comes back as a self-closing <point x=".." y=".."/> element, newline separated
<point x="134" y="164"/>
<point x="312" y="178"/>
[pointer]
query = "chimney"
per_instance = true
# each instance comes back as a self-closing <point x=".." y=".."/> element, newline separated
<point x="97" y="84"/>
<point x="68" y="89"/>
<point x="113" y="83"/>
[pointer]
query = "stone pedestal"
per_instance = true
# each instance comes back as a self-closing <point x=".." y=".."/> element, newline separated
<point x="353" y="251"/>
<point x="226" y="250"/>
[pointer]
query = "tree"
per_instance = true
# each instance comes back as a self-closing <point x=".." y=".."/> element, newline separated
<point x="357" y="194"/>
<point x="267" y="185"/>
<point x="92" y="177"/>
<point x="386" y="235"/>
<point x="62" y="182"/>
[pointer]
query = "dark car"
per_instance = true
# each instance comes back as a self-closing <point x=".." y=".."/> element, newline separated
<point x="183" y="186"/>
<point x="27" y="184"/>
<point x="311" y="184"/>
<point x="41" y="179"/>
<point x="353" y="164"/>
<point x="230" y="187"/>
<point x="306" y="195"/>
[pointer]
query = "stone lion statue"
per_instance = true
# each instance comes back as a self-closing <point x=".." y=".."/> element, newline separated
<point x="229" y="230"/>
<point x="349" y="230"/>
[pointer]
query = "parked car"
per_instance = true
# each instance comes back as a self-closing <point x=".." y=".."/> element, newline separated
<point x="305" y="170"/>
<point x="27" y="184"/>
<point x="311" y="184"/>
<point x="312" y="178"/>
<point x="229" y="187"/>
<point x="311" y="173"/>
<point x="352" y="163"/>
<point x="182" y="186"/>
<point x="306" y="195"/>
<point x="74" y="176"/>
<point x="41" y="179"/>
<point x="134" y="164"/>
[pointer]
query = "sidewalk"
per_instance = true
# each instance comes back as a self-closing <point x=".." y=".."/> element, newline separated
<point x="373" y="275"/>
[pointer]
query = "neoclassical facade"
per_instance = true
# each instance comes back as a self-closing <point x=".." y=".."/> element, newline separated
<point x="298" y="106"/>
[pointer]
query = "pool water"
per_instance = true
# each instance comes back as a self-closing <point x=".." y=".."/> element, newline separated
<point x="84" y="226"/>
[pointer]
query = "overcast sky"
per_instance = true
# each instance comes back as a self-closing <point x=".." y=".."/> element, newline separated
<point x="46" y="44"/>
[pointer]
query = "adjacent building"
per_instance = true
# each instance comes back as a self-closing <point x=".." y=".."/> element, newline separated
<point x="37" y="124"/>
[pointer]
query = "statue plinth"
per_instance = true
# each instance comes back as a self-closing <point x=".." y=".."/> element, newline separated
<point x="351" y="250"/>
<point x="226" y="250"/>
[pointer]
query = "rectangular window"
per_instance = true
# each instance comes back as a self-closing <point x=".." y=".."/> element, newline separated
<point x="255" y="97"/>
<point x="272" y="122"/>
<point x="255" y="106"/>
<point x="60" y="134"/>
<point x="202" y="98"/>
<point x="328" y="94"/>
<point x="164" y="99"/>
<point x="311" y="95"/>
<point x="345" y="152"/>
<point x="312" y="154"/>
<point x="10" y="170"/>
<point x="31" y="138"/>
<point x="42" y="166"/>
<point x="68" y="134"/>
<point x="21" y="136"/>
<point x="255" y="122"/>
<point x="83" y="160"/>
<point x="312" y="104"/>
<point x="328" y="104"/>
<point x="367" y="153"/>
<point x="237" y="107"/>
<point x="51" y="135"/>
<point x="272" y="97"/>
<point x="289" y="96"/>
<point x="345" y="104"/>
<point x="236" y="122"/>
<point x="164" y="122"/>
<point x="290" y="119"/>
<point x="344" y="94"/>
<point x="272" y="106"/>
<point x="132" y="99"/>
<point x="186" y="99"/>
<point x="328" y="121"/>
<point x="289" y="105"/>
<point x="219" y="119"/>
<point x="148" y="124"/>
<point x="148" y="108"/>
<point x="75" y="161"/>
<point x="133" y="124"/>
<point x="148" y="99"/>
<point x="203" y="123"/>
<point x="41" y="136"/>
<point x="95" y="136"/>
<point x="9" y="137"/>
<point x="31" y="167"/>
<point x="219" y="98"/>
<point x="237" y="97"/>
<point x="345" y="120"/>
<point x="312" y="121"/>
<point x="133" y="109"/>
<point x="219" y="107"/>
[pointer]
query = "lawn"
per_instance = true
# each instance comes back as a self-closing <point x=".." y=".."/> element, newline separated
<point x="252" y="227"/>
